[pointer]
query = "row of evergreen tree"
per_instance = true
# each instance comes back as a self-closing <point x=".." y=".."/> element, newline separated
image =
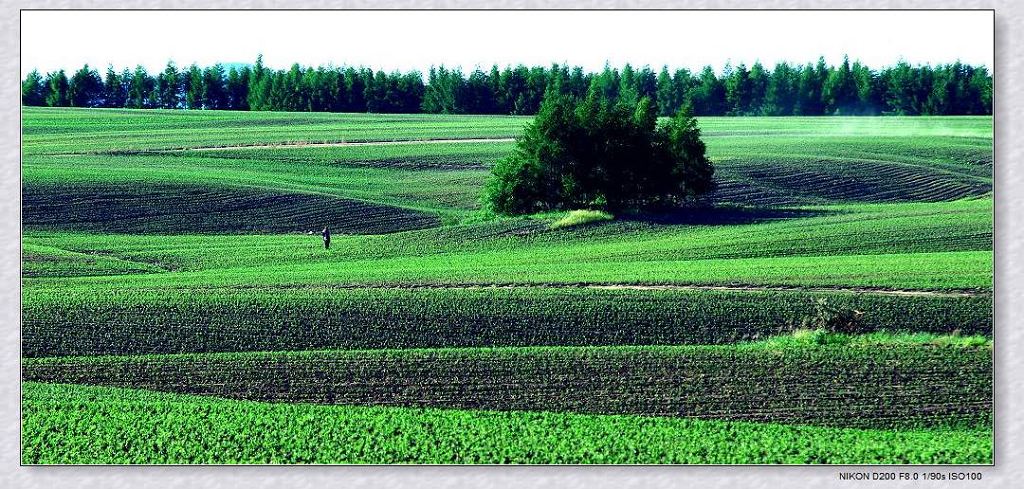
<point x="811" y="89"/>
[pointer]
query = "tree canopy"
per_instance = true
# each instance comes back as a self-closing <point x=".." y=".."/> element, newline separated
<point x="596" y="152"/>
<point x="811" y="89"/>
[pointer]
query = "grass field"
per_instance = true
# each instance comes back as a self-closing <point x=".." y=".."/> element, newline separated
<point x="178" y="305"/>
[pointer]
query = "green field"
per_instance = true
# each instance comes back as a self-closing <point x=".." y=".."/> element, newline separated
<point x="135" y="426"/>
<point x="173" y="277"/>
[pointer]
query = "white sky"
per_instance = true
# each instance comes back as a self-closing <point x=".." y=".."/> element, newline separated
<point x="418" y="39"/>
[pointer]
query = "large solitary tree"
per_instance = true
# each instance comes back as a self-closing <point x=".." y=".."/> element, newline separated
<point x="595" y="153"/>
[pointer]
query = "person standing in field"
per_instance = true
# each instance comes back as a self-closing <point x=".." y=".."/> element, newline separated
<point x="327" y="238"/>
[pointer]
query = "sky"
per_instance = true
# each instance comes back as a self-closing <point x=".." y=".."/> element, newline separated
<point x="406" y="40"/>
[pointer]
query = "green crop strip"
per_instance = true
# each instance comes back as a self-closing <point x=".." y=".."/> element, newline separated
<point x="82" y="322"/>
<point x="928" y="271"/>
<point x="883" y="385"/>
<point x="79" y="424"/>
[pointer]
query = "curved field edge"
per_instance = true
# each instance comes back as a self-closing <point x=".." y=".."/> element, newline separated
<point x="444" y="192"/>
<point x="47" y="261"/>
<point x="721" y="233"/>
<point x="892" y="382"/>
<point x="98" y="425"/>
<point x="83" y="321"/>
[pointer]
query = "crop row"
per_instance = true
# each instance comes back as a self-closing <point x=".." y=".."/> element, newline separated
<point x="49" y="131"/>
<point x="447" y="155"/>
<point x="885" y="386"/>
<point x="952" y="271"/>
<point x="76" y="321"/>
<point x="855" y="126"/>
<point x="809" y="181"/>
<point x="84" y="424"/>
<point x="962" y="150"/>
<point x="73" y="177"/>
<point x="169" y="209"/>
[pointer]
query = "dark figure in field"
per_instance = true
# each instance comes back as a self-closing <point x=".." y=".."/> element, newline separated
<point x="327" y="238"/>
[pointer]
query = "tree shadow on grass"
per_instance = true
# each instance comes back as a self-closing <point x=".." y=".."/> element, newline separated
<point x="723" y="215"/>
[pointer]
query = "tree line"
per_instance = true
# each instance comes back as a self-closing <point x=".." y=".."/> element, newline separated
<point x="809" y="89"/>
